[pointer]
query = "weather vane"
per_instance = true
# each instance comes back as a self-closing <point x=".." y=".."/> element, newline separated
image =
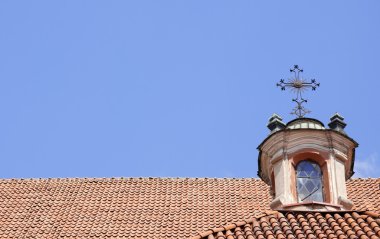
<point x="298" y="85"/>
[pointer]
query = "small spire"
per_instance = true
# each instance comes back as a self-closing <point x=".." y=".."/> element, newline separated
<point x="337" y="123"/>
<point x="275" y="123"/>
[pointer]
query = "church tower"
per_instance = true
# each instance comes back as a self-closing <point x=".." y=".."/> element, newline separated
<point x="305" y="163"/>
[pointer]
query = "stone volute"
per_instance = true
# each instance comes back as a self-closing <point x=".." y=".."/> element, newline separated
<point x="327" y="156"/>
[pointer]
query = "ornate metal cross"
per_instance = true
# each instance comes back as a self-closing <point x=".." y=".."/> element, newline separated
<point x="298" y="84"/>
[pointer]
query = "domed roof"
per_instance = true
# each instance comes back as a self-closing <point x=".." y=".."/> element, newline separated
<point x="305" y="123"/>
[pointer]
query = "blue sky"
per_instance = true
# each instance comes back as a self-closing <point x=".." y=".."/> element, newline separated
<point x="176" y="88"/>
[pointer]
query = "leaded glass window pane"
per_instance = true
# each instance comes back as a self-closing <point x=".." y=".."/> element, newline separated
<point x="309" y="182"/>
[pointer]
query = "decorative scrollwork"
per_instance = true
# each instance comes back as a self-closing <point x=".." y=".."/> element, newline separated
<point x="298" y="85"/>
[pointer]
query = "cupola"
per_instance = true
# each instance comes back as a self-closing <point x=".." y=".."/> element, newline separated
<point x="305" y="163"/>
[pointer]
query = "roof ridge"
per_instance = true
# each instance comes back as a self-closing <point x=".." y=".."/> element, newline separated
<point x="356" y="179"/>
<point x="125" y="178"/>
<point x="142" y="178"/>
<point x="234" y="225"/>
<point x="372" y="214"/>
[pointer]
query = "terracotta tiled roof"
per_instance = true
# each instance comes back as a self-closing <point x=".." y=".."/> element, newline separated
<point x="140" y="207"/>
<point x="131" y="207"/>
<point x="299" y="225"/>
<point x="365" y="193"/>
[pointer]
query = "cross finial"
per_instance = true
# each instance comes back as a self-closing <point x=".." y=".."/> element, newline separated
<point x="298" y="85"/>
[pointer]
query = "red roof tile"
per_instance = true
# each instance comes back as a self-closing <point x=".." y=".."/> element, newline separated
<point x="365" y="193"/>
<point x="140" y="207"/>
<point x="308" y="225"/>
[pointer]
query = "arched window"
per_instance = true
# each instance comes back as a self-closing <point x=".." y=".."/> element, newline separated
<point x="309" y="182"/>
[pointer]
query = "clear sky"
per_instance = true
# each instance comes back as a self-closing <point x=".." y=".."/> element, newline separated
<point x="176" y="88"/>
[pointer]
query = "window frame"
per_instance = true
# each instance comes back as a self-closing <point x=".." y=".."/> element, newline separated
<point x="321" y="178"/>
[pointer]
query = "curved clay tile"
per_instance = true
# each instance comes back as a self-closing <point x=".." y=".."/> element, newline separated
<point x="307" y="225"/>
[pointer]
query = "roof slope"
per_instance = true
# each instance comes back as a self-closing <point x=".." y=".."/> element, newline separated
<point x="140" y="207"/>
<point x="365" y="193"/>
<point x="310" y="225"/>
